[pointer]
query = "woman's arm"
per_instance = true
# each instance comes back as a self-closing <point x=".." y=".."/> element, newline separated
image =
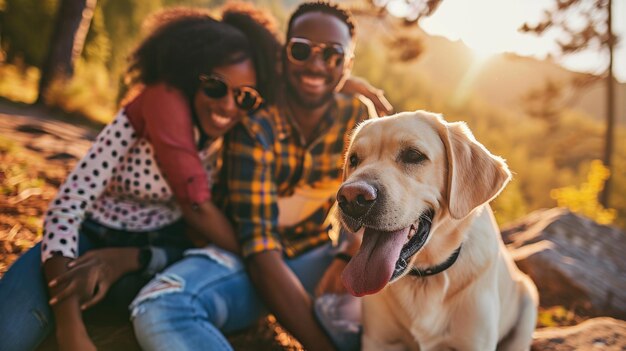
<point x="168" y="122"/>
<point x="65" y="214"/>
<point x="70" y="330"/>
<point x="211" y="224"/>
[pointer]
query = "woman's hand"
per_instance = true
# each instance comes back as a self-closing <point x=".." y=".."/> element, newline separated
<point x="356" y="85"/>
<point x="331" y="280"/>
<point x="91" y="275"/>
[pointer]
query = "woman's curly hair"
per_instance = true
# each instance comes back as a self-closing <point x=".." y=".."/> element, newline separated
<point x="262" y="31"/>
<point x="186" y="42"/>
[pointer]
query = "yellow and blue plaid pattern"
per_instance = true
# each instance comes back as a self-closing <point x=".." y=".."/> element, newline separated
<point x="265" y="159"/>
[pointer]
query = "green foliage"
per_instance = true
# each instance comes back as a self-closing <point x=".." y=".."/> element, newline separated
<point x="88" y="93"/>
<point x="122" y="21"/>
<point x="511" y="204"/>
<point x="97" y="43"/>
<point x="557" y="316"/>
<point x="25" y="29"/>
<point x="584" y="200"/>
<point x="19" y="82"/>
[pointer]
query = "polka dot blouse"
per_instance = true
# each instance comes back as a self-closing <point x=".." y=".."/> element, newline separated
<point x="120" y="183"/>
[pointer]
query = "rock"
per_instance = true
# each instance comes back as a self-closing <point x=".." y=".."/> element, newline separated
<point x="573" y="260"/>
<point x="602" y="333"/>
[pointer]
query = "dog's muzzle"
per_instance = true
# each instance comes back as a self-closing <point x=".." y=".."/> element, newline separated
<point x="384" y="255"/>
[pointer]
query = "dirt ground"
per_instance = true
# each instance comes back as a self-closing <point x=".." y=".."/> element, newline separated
<point x="35" y="156"/>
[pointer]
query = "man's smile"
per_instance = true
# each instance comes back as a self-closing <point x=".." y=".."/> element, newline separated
<point x="312" y="83"/>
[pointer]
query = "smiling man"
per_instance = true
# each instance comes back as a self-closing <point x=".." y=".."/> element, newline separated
<point x="282" y="169"/>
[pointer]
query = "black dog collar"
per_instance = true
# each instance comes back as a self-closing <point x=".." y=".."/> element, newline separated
<point x="438" y="268"/>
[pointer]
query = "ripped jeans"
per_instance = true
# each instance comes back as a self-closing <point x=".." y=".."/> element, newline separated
<point x="195" y="301"/>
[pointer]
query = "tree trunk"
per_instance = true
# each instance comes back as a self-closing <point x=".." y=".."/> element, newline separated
<point x="610" y="112"/>
<point x="68" y="38"/>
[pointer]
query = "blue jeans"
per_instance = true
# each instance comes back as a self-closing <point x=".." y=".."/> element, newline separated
<point x="25" y="316"/>
<point x="26" y="319"/>
<point x="195" y="301"/>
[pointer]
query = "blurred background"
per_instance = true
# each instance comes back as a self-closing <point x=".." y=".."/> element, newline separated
<point x="541" y="83"/>
<point x="531" y="78"/>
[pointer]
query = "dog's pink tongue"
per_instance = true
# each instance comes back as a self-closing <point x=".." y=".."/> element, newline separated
<point x="371" y="268"/>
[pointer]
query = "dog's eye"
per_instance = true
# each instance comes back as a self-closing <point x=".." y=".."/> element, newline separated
<point x="412" y="156"/>
<point x="353" y="160"/>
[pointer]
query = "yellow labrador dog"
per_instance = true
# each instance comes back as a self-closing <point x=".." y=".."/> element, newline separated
<point x="432" y="265"/>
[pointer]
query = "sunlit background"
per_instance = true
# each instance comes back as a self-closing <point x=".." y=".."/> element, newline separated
<point x="542" y="111"/>
<point x="491" y="26"/>
<point x="545" y="113"/>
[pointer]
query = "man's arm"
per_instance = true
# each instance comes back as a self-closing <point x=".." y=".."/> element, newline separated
<point x="357" y="85"/>
<point x="253" y="196"/>
<point x="285" y="296"/>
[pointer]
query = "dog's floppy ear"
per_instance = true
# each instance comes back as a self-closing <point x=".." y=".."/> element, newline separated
<point x="475" y="176"/>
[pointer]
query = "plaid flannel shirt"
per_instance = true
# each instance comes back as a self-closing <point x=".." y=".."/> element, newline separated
<point x="266" y="159"/>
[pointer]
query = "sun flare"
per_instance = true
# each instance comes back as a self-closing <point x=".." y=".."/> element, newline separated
<point x="487" y="27"/>
<point x="481" y="50"/>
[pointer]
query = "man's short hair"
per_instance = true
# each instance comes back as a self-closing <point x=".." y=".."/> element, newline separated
<point x="325" y="7"/>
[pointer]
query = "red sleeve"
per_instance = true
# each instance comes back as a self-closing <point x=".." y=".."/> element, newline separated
<point x="168" y="126"/>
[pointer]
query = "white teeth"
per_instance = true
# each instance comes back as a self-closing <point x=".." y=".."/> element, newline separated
<point x="310" y="80"/>
<point x="221" y="121"/>
<point x="412" y="232"/>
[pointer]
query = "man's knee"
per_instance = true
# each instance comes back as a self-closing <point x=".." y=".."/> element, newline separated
<point x="340" y="316"/>
<point x="158" y="297"/>
<point x="165" y="299"/>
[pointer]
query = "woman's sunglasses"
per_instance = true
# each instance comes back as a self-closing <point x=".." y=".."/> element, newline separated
<point x="216" y="87"/>
<point x="299" y="50"/>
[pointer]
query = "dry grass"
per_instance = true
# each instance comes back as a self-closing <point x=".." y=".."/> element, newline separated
<point x="27" y="184"/>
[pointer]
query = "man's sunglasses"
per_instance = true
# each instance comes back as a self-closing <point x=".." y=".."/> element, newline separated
<point x="216" y="87"/>
<point x="299" y="50"/>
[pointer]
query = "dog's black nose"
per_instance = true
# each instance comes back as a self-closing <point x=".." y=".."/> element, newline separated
<point x="356" y="198"/>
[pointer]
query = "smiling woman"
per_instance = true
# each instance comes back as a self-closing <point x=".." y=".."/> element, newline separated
<point x="221" y="102"/>
<point x="141" y="195"/>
